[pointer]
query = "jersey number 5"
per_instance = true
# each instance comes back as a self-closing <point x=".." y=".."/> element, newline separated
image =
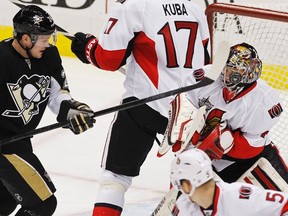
<point x="171" y="55"/>
<point x="273" y="197"/>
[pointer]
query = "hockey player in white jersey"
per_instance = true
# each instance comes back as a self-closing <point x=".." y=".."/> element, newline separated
<point x="240" y="111"/>
<point x="204" y="195"/>
<point x="160" y="42"/>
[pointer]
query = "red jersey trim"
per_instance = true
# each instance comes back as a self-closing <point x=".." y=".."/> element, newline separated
<point x="145" y="55"/>
<point x="109" y="60"/>
<point x="226" y="92"/>
<point x="242" y="149"/>
<point x="216" y="200"/>
<point x="284" y="209"/>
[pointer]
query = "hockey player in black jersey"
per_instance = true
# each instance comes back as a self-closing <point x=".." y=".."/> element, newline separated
<point x="32" y="78"/>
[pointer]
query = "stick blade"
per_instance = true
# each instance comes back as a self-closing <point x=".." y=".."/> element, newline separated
<point x="220" y="59"/>
<point x="165" y="207"/>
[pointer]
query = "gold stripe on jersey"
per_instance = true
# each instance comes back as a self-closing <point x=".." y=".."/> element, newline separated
<point x="30" y="175"/>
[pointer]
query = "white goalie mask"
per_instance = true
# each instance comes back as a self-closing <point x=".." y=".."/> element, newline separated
<point x="193" y="165"/>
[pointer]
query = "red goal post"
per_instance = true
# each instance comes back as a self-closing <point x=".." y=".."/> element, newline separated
<point x="265" y="28"/>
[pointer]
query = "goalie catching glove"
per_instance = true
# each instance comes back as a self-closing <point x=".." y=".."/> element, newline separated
<point x="79" y="115"/>
<point x="184" y="125"/>
<point x="219" y="142"/>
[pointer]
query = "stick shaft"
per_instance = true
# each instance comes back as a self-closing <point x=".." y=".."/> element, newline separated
<point x="204" y="82"/>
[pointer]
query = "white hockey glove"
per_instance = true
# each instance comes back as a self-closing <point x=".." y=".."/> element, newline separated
<point x="185" y="124"/>
<point x="79" y="115"/>
<point x="219" y="142"/>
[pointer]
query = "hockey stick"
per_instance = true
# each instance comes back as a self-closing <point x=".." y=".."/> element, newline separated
<point x="204" y="82"/>
<point x="166" y="204"/>
<point x="65" y="33"/>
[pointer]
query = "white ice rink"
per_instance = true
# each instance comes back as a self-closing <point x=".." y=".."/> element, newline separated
<point x="73" y="162"/>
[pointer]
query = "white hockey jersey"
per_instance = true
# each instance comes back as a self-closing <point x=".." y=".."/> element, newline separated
<point x="161" y="41"/>
<point x="250" y="115"/>
<point x="237" y="199"/>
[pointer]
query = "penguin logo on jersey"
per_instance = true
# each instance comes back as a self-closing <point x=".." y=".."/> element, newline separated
<point x="28" y="93"/>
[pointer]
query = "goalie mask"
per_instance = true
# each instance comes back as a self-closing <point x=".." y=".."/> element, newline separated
<point x="193" y="165"/>
<point x="35" y="22"/>
<point x="242" y="68"/>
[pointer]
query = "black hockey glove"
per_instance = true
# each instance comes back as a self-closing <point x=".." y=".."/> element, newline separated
<point x="83" y="46"/>
<point x="80" y="116"/>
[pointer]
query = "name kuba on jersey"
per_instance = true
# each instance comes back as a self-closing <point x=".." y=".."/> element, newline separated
<point x="174" y="9"/>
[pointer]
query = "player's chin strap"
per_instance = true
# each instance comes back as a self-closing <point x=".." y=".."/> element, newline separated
<point x="29" y="52"/>
<point x="27" y="49"/>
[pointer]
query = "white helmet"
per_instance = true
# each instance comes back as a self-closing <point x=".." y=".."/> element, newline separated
<point x="193" y="165"/>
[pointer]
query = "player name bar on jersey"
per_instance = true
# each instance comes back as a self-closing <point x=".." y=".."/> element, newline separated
<point x="174" y="9"/>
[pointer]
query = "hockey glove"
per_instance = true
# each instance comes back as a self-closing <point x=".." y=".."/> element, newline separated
<point x="184" y="126"/>
<point x="83" y="46"/>
<point x="219" y="142"/>
<point x="78" y="114"/>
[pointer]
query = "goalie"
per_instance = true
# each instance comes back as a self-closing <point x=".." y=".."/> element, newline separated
<point x="230" y="120"/>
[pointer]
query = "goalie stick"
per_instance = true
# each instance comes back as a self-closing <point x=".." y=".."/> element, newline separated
<point x="166" y="204"/>
<point x="65" y="33"/>
<point x="204" y="82"/>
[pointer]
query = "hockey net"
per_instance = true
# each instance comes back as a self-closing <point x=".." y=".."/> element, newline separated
<point x="265" y="28"/>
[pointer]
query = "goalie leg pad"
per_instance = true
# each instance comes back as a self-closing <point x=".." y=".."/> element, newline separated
<point x="263" y="174"/>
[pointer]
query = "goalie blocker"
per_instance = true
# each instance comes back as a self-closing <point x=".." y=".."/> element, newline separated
<point x="184" y="128"/>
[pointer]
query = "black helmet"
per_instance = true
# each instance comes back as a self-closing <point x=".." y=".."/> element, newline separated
<point x="33" y="20"/>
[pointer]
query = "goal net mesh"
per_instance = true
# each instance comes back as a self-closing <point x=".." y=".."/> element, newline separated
<point x="265" y="28"/>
